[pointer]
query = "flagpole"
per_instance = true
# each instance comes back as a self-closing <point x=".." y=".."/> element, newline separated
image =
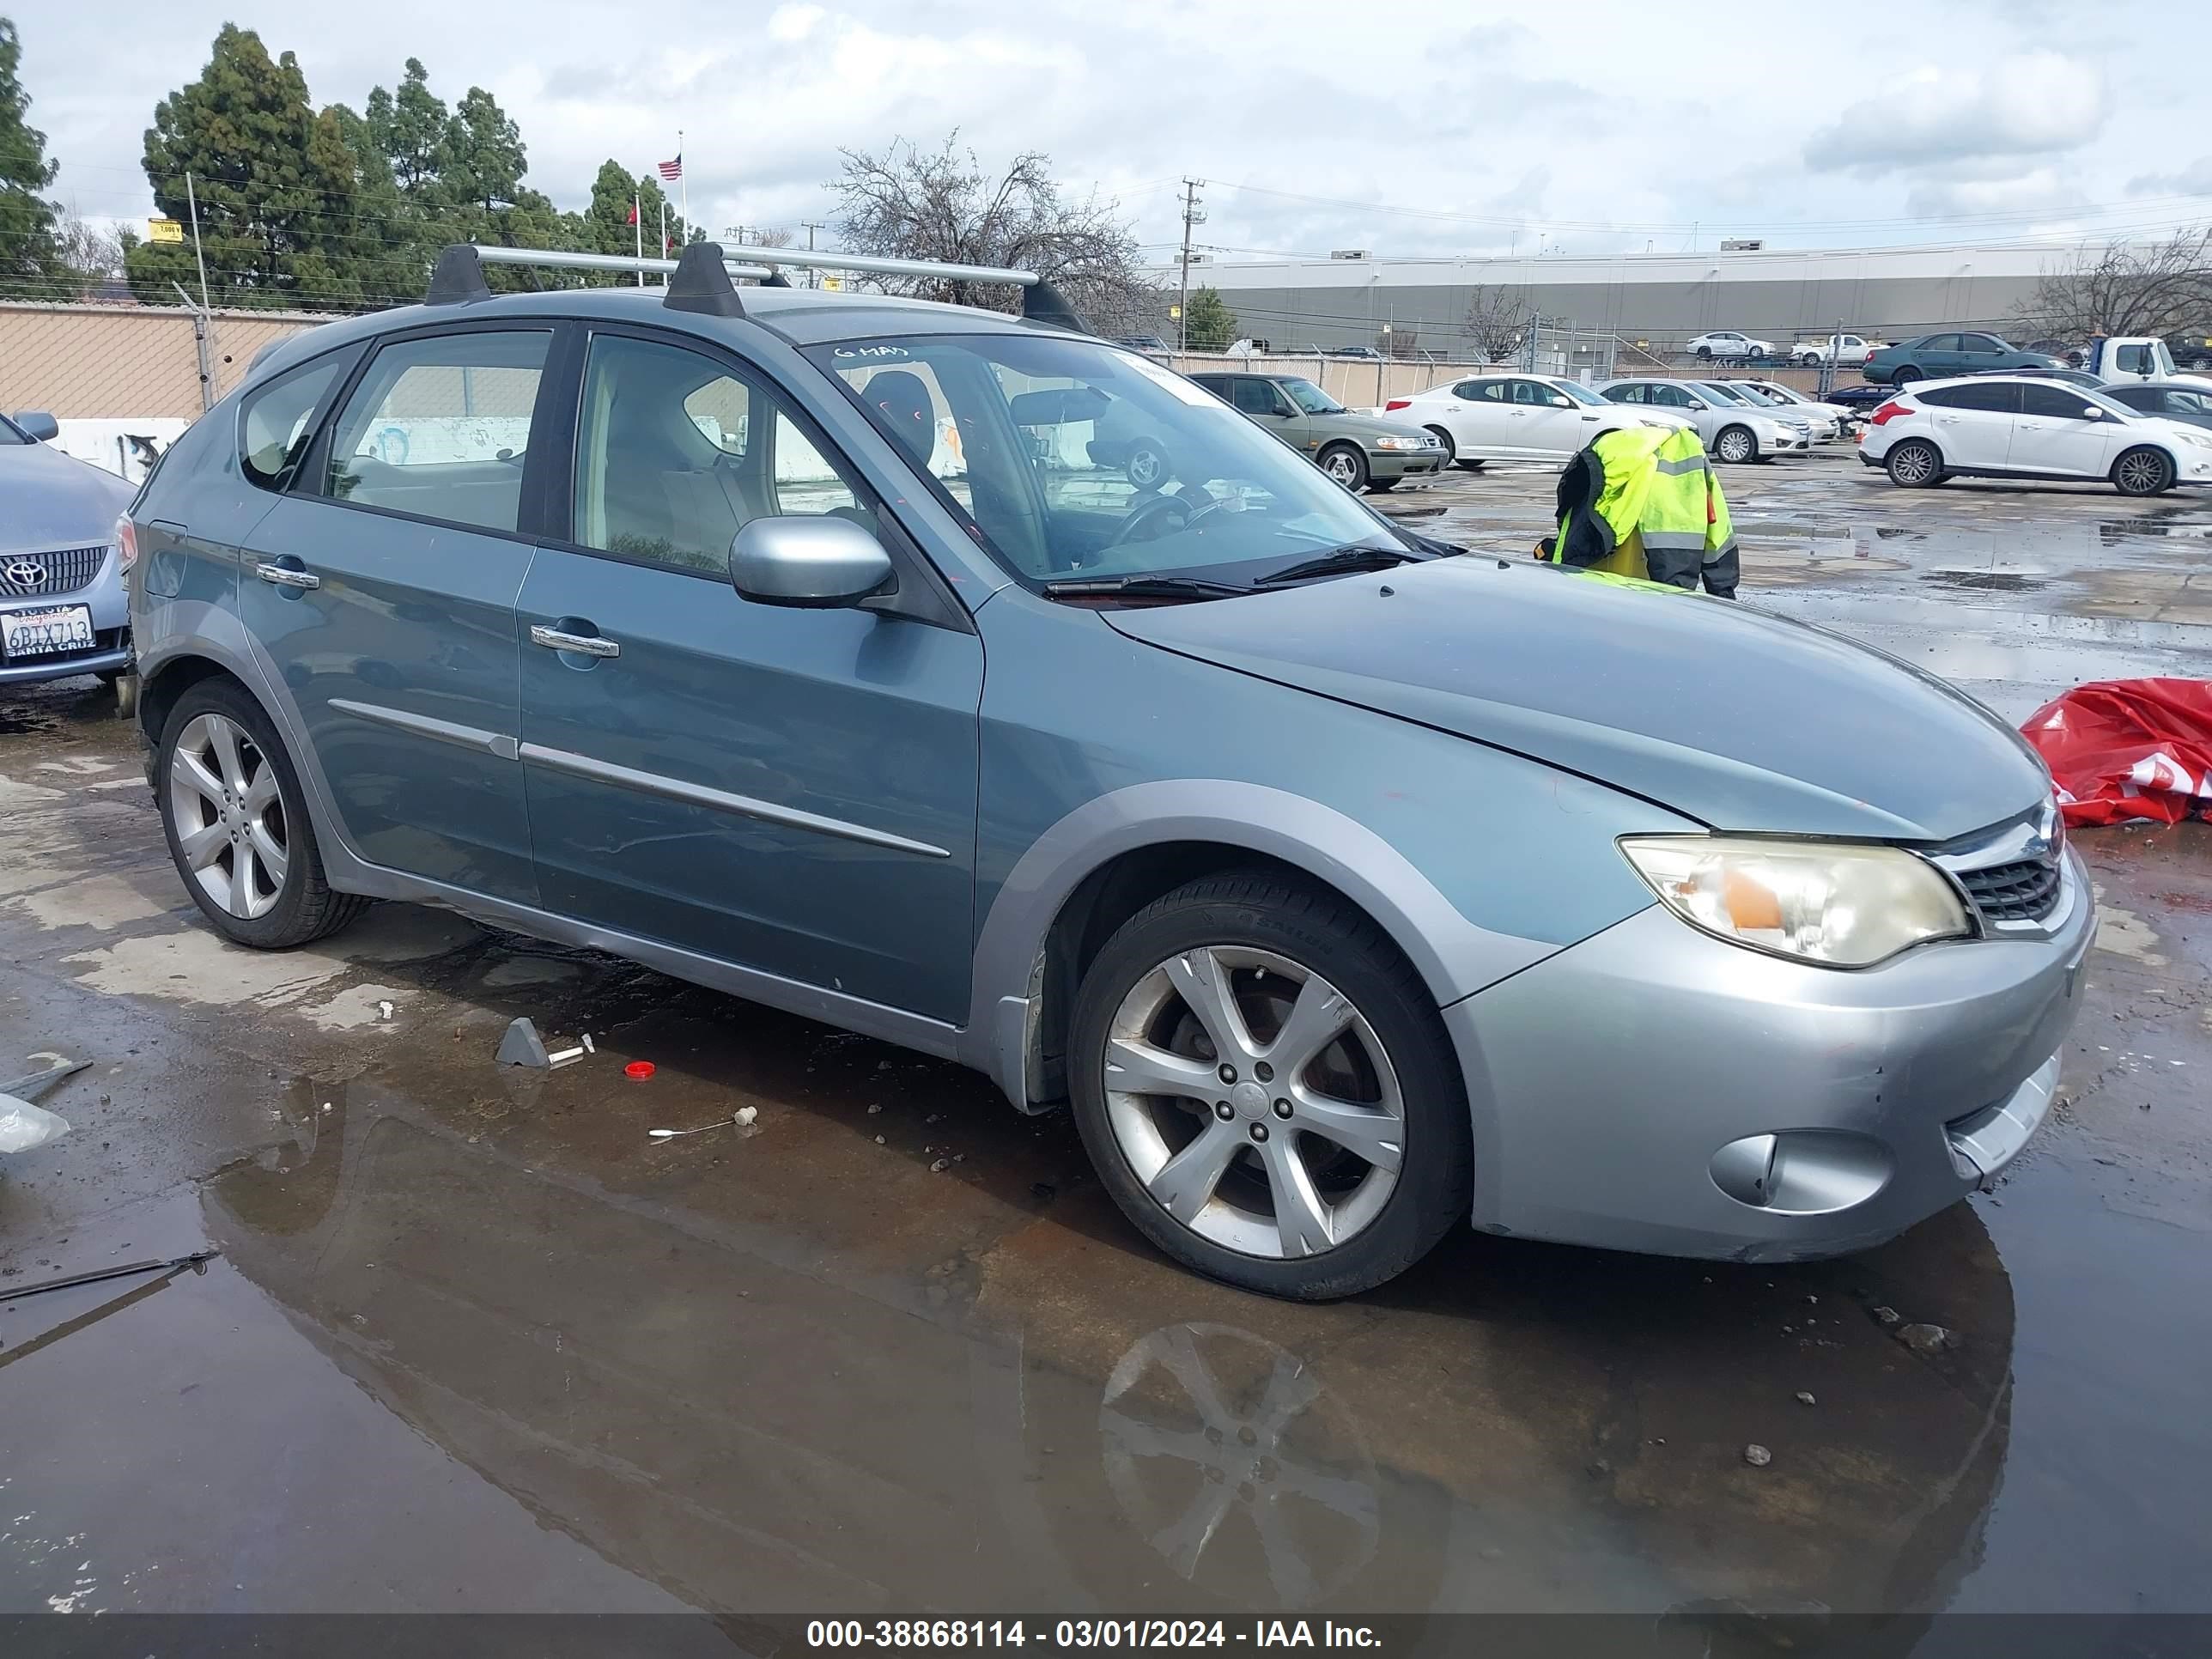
<point x="664" y="234"/>
<point x="684" y="184"/>
<point x="637" y="223"/>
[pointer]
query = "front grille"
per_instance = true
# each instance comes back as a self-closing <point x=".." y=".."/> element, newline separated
<point x="63" y="570"/>
<point x="2025" y="890"/>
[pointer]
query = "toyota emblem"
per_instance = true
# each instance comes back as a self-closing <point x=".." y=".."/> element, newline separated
<point x="24" y="572"/>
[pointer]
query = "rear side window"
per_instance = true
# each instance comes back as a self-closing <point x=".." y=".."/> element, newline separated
<point x="1629" y="394"/>
<point x="1999" y="399"/>
<point x="439" y="428"/>
<point x="275" y="423"/>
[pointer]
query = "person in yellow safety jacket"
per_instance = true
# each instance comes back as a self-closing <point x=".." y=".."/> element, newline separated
<point x="1643" y="502"/>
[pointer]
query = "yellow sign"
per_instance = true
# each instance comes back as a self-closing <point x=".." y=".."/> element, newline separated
<point x="1174" y="311"/>
<point x="164" y="230"/>
<point x="835" y="283"/>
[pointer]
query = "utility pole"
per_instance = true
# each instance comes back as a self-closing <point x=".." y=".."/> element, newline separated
<point x="813" y="277"/>
<point x="1191" y="216"/>
<point x="192" y="204"/>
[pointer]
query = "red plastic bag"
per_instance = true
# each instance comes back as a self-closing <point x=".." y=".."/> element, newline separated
<point x="2128" y="749"/>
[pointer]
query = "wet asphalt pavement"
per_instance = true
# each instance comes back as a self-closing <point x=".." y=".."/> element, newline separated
<point x="476" y="1341"/>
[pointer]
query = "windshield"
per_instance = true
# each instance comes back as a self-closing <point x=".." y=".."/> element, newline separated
<point x="2110" y="405"/>
<point x="1310" y="398"/>
<point x="1579" y="393"/>
<point x="1072" y="458"/>
<point x="1725" y="393"/>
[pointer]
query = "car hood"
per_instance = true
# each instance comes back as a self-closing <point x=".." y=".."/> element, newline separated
<point x="1365" y="428"/>
<point x="56" y="501"/>
<point x="1742" y="720"/>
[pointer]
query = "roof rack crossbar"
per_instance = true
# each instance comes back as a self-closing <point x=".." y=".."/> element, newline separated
<point x="1041" y="300"/>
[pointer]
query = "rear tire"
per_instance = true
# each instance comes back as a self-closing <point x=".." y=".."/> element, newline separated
<point x="1377" y="486"/>
<point x="237" y="824"/>
<point x="1147" y="466"/>
<point x="2143" y="472"/>
<point x="1388" y="1079"/>
<point x="1916" y="463"/>
<point x="1703" y="353"/>
<point x="1904" y="374"/>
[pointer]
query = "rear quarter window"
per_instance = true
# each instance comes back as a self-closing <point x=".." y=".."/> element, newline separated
<point x="275" y="421"/>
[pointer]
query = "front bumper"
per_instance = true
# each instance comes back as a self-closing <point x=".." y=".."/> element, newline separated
<point x="1608" y="1081"/>
<point x="1404" y="463"/>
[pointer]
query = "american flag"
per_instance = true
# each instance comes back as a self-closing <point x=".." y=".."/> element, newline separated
<point x="672" y="170"/>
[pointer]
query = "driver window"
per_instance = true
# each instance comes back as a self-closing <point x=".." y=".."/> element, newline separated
<point x="675" y="454"/>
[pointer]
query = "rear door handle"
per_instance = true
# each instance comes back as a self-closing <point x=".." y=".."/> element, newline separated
<point x="584" y="645"/>
<point x="283" y="575"/>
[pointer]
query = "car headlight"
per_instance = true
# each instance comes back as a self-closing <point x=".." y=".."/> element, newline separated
<point x="2195" y="440"/>
<point x="1837" y="903"/>
<point x="1411" y="441"/>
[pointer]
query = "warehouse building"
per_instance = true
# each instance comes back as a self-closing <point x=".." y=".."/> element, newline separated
<point x="1658" y="300"/>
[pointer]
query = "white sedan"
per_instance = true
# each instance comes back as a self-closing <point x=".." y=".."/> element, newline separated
<point x="1826" y="420"/>
<point x="1517" y="417"/>
<point x="2020" y="426"/>
<point x="1726" y="345"/>
<point x="1736" y="426"/>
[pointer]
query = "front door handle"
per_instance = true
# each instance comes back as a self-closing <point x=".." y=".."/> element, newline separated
<point x="283" y="575"/>
<point x="584" y="645"/>
<point x="1591" y="417"/>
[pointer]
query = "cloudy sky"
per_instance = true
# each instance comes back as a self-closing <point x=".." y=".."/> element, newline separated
<point x="1459" y="127"/>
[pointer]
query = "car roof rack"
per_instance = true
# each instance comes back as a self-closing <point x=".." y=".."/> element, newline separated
<point x="701" y="280"/>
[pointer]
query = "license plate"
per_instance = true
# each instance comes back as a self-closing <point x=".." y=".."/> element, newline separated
<point x="46" y="633"/>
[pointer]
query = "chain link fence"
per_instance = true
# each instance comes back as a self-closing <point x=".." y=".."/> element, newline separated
<point x="140" y="363"/>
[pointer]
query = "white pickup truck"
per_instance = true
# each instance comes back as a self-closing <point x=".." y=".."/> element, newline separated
<point x="1839" y="349"/>
<point x="2118" y="359"/>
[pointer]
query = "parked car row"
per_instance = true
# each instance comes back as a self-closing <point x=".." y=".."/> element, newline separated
<point x="61" y="605"/>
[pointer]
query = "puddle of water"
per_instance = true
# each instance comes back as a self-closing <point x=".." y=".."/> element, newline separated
<point x="2000" y="581"/>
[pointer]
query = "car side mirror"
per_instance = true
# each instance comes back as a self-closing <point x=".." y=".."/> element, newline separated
<point x="822" y="563"/>
<point x="2091" y="412"/>
<point x="38" y="424"/>
<point x="1699" y="403"/>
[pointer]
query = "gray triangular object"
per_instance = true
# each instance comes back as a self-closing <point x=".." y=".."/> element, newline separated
<point x="31" y="1087"/>
<point x="522" y="1046"/>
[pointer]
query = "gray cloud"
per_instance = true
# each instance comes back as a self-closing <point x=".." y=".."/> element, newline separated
<point x="2031" y="104"/>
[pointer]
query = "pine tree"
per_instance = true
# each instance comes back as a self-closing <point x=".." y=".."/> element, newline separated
<point x="275" y="184"/>
<point x="31" y="264"/>
<point x="1209" y="325"/>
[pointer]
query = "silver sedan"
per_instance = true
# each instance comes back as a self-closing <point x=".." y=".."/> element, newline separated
<point x="62" y="606"/>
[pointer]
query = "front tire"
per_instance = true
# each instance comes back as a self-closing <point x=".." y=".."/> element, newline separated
<point x="1147" y="466"/>
<point x="1264" y="1089"/>
<point x="1345" y="464"/>
<point x="1377" y="486"/>
<point x="1736" y="444"/>
<point x="1915" y="464"/>
<point x="1451" y="449"/>
<point x="237" y="824"/>
<point x="2143" y="472"/>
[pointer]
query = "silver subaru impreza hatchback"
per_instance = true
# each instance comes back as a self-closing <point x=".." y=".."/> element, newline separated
<point x="1345" y="885"/>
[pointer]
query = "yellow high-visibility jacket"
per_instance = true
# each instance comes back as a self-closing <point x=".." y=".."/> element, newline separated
<point x="1643" y="502"/>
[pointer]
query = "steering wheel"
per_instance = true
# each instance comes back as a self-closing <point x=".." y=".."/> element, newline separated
<point x="1144" y="524"/>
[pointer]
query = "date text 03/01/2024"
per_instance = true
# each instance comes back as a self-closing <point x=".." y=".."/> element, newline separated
<point x="1086" y="1633"/>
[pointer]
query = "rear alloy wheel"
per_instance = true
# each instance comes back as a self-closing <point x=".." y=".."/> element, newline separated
<point x="1704" y="354"/>
<point x="1915" y="465"/>
<point x="1736" y="444"/>
<point x="1451" y="449"/>
<point x="1264" y="1089"/>
<point x="1344" y="464"/>
<point x="2143" y="473"/>
<point x="237" y="826"/>
<point x="1903" y="375"/>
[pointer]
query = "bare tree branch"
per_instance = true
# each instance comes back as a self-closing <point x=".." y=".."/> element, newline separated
<point x="1497" y="321"/>
<point x="2126" y="287"/>
<point x="942" y="206"/>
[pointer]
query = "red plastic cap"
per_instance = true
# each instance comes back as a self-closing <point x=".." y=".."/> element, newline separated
<point x="640" y="1069"/>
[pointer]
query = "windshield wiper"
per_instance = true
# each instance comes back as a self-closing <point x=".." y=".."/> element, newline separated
<point x="1345" y="561"/>
<point x="1140" y="587"/>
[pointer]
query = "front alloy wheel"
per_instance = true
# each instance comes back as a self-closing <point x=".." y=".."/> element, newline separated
<point x="1264" y="1086"/>
<point x="1345" y="465"/>
<point x="1254" y="1101"/>
<point x="1735" y="446"/>
<point x="230" y="816"/>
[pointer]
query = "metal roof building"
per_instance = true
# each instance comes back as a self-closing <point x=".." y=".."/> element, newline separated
<point x="1662" y="299"/>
